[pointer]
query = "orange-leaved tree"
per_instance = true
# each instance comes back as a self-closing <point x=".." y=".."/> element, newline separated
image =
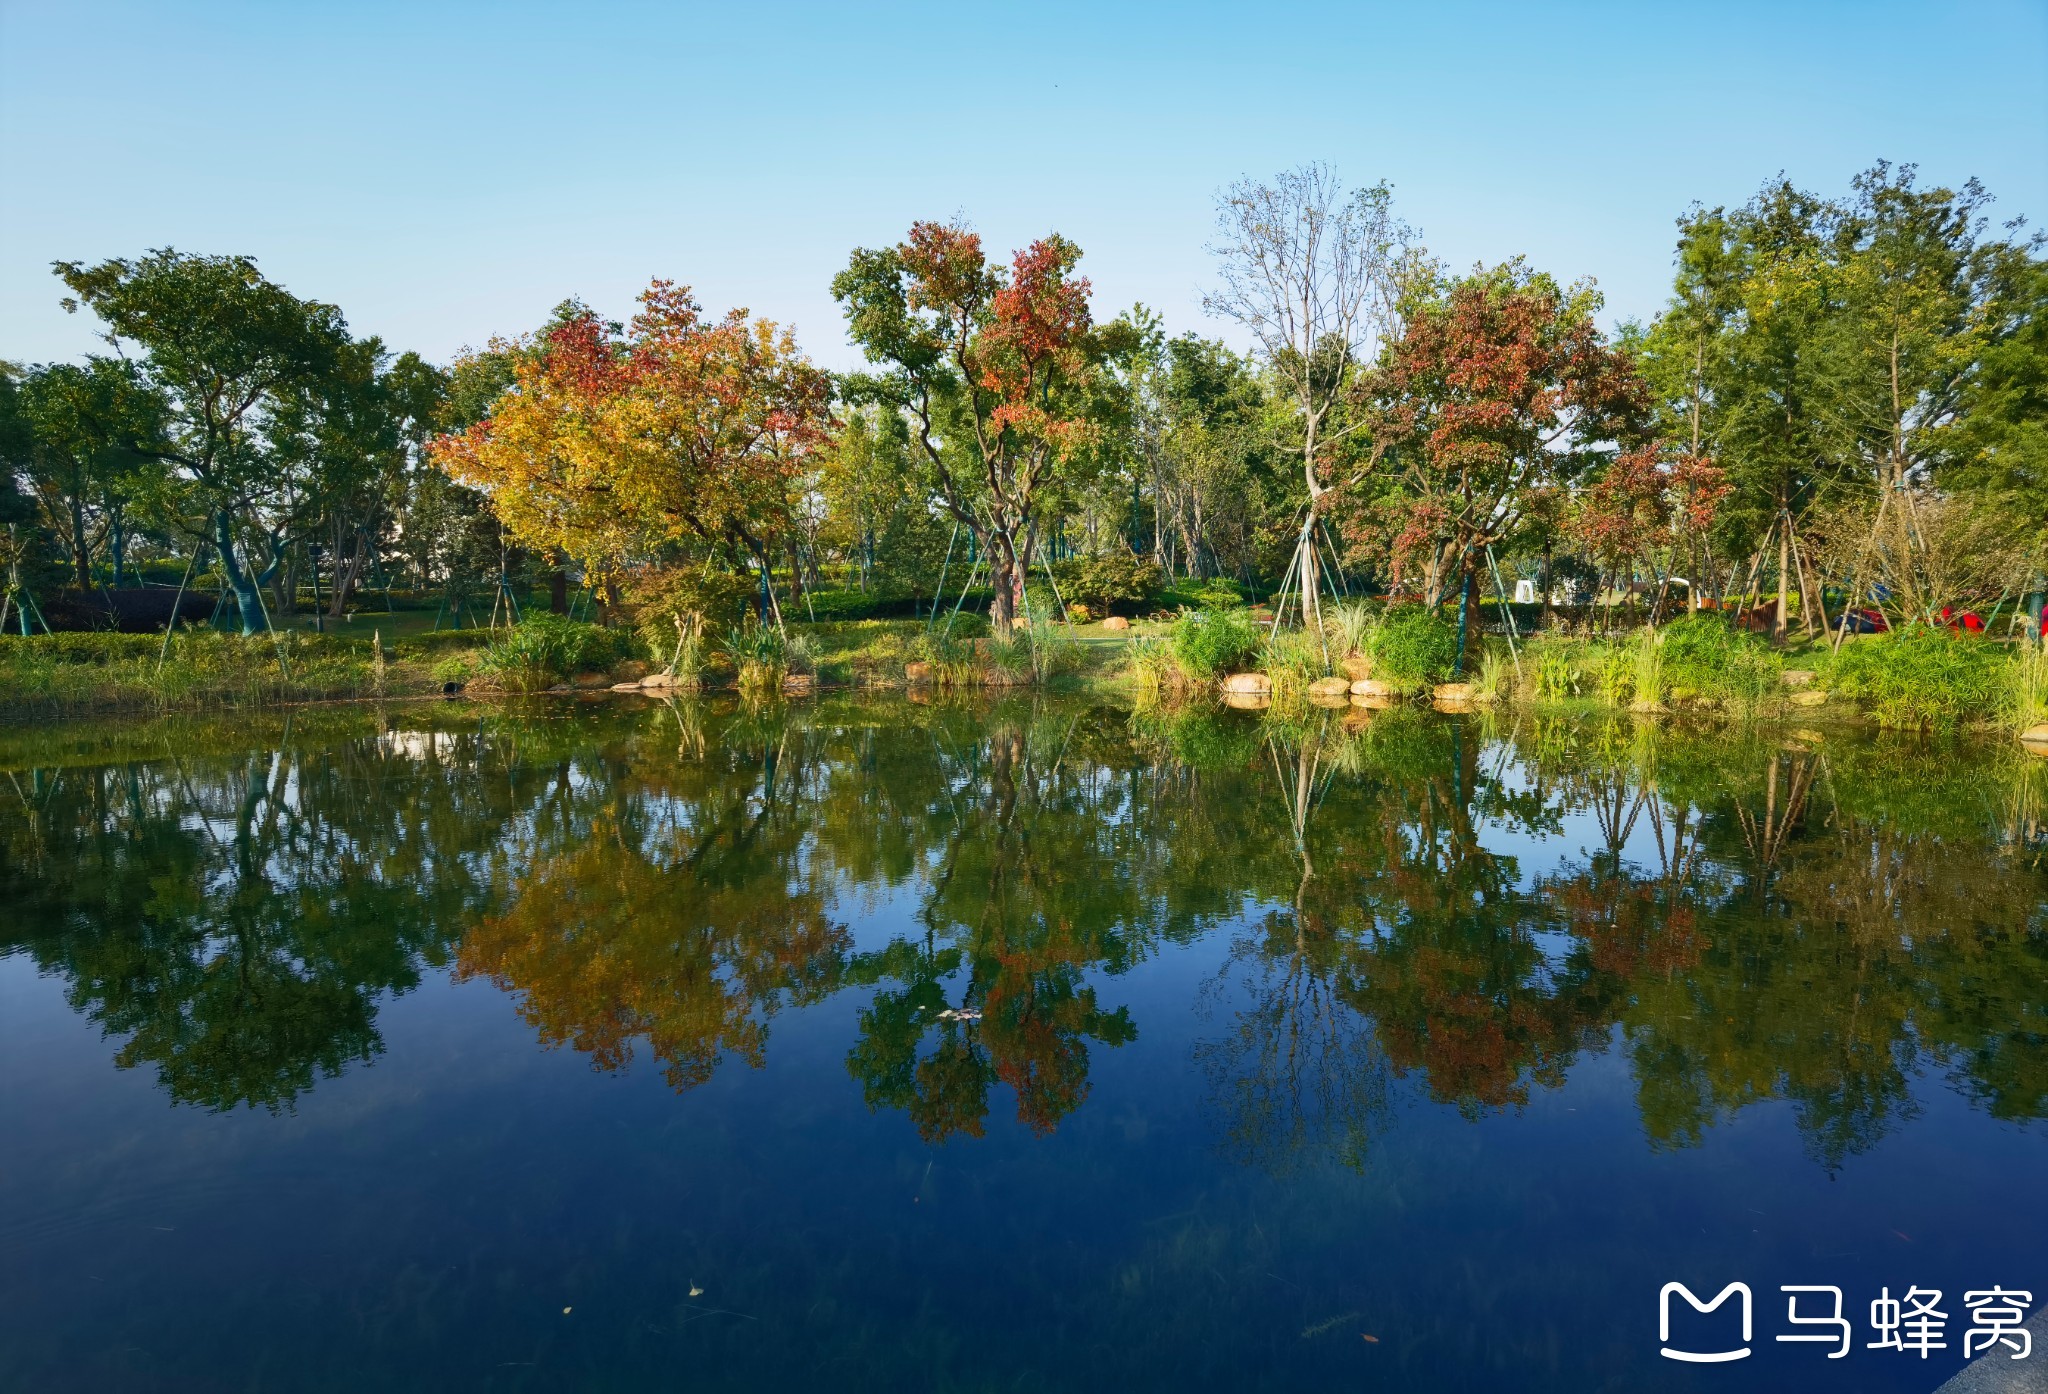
<point x="608" y="445"/>
<point x="1000" y="372"/>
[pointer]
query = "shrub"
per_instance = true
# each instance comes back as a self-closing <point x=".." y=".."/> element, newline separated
<point x="968" y="624"/>
<point x="1209" y="643"/>
<point x="1216" y="593"/>
<point x="1349" y="624"/>
<point x="1293" y="661"/>
<point x="1116" y="580"/>
<point x="1413" y="643"/>
<point x="542" y="649"/>
<point x="440" y="641"/>
<point x="1704" y="655"/>
<point x="656" y="599"/>
<point x="1923" y="677"/>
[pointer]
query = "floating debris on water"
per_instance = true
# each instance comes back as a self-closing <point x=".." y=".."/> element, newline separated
<point x="1320" y="1327"/>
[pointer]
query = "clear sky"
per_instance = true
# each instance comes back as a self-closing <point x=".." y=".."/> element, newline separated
<point x="446" y="171"/>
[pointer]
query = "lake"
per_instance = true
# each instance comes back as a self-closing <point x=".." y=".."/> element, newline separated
<point x="1040" y="1044"/>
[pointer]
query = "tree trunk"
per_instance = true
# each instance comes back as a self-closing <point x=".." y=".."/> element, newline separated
<point x="247" y="600"/>
<point x="81" y="549"/>
<point x="558" y="589"/>
<point x="1311" y="600"/>
<point x="1784" y="566"/>
<point x="117" y="541"/>
<point x="1005" y="581"/>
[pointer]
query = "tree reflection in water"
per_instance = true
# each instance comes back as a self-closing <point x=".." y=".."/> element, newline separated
<point x="1456" y="906"/>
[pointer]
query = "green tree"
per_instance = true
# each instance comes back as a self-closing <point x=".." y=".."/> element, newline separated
<point x="228" y="353"/>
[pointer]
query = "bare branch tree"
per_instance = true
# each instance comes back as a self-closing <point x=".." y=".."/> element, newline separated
<point x="1313" y="272"/>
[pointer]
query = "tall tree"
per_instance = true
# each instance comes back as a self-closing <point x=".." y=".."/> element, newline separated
<point x="83" y="424"/>
<point x="1499" y="386"/>
<point x="1001" y="373"/>
<point x="1314" y="274"/>
<point x="224" y="350"/>
<point x="608" y="445"/>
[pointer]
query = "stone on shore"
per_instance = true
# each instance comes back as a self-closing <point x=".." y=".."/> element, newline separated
<point x="1249" y="684"/>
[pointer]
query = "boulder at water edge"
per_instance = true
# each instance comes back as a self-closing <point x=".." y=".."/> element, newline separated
<point x="2035" y="738"/>
<point x="1116" y="622"/>
<point x="1249" y="684"/>
<point x="1373" y="687"/>
<point x="1330" y="687"/>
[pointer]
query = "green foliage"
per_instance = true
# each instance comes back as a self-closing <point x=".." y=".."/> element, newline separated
<point x="78" y="672"/>
<point x="1703" y="655"/>
<point x="1216" y="593"/>
<point x="541" y="650"/>
<point x="442" y="641"/>
<point x="1350" y="625"/>
<point x="1117" y="582"/>
<point x="968" y="624"/>
<point x="1210" y="643"/>
<point x="1292" y="660"/>
<point x="1924" y="677"/>
<point x="657" y="599"/>
<point x="1414" y="643"/>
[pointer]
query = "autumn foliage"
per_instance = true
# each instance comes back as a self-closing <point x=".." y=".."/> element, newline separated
<point x="607" y="446"/>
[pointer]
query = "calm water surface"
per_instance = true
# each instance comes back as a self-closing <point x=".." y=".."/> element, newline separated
<point x="1037" y="1046"/>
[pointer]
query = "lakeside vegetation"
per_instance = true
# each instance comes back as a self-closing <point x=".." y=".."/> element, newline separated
<point x="1819" y="479"/>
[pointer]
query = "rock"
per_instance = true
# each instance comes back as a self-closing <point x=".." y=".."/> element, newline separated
<point x="1330" y="687"/>
<point x="1799" y="677"/>
<point x="1357" y="667"/>
<point x="1454" y="692"/>
<point x="1249" y="684"/>
<point x="661" y="680"/>
<point x="1116" y="622"/>
<point x="591" y="682"/>
<point x="2037" y="737"/>
<point x="799" y="682"/>
<point x="1373" y="687"/>
<point x="1247" y="701"/>
<point x="625" y="687"/>
<point x="1809" y="698"/>
<point x="917" y="672"/>
<point x="1372" y="701"/>
<point x="631" y="670"/>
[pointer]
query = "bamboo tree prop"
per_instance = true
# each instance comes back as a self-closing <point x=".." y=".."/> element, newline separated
<point x="972" y="571"/>
<point x="1054" y="583"/>
<point x="177" y="602"/>
<point x="19" y="596"/>
<point x="939" y="591"/>
<point x="1506" y="610"/>
<point x="1810" y="598"/>
<point x="276" y="639"/>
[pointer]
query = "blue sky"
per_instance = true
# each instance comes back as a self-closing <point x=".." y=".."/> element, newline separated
<point x="448" y="171"/>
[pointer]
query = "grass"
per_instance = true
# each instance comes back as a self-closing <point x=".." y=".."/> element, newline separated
<point x="1913" y="679"/>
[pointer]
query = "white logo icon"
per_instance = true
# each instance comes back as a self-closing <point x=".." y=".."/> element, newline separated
<point x="1699" y="1357"/>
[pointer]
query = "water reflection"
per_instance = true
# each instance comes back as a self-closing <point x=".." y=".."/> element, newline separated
<point x="1409" y="902"/>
